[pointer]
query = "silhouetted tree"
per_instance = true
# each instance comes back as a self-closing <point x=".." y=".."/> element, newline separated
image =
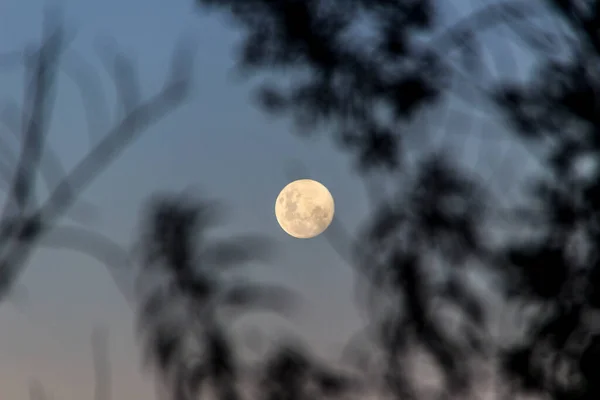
<point x="433" y="223"/>
<point x="360" y="69"/>
<point x="187" y="302"/>
<point x="364" y="70"/>
<point x="290" y="373"/>
<point x="557" y="112"/>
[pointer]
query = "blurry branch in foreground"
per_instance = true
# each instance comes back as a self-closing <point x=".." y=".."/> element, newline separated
<point x="24" y="221"/>
<point x="100" y="247"/>
<point x="37" y="391"/>
<point x="102" y="374"/>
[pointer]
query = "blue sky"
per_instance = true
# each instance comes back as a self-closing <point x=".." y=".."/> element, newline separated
<point x="218" y="142"/>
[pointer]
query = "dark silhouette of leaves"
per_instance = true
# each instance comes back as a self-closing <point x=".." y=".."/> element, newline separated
<point x="367" y="88"/>
<point x="557" y="111"/>
<point x="290" y="374"/>
<point x="183" y="314"/>
<point x="346" y="83"/>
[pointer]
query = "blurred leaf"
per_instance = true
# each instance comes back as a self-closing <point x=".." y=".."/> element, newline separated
<point x="261" y="297"/>
<point x="234" y="252"/>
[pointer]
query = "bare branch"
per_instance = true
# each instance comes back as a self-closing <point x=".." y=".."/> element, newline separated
<point x="31" y="154"/>
<point x="123" y="72"/>
<point x="37" y="391"/>
<point x="27" y="230"/>
<point x="99" y="246"/>
<point x="50" y="167"/>
<point x="92" y="94"/>
<point x="102" y="373"/>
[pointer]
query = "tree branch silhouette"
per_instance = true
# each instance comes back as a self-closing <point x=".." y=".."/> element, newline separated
<point x="21" y="230"/>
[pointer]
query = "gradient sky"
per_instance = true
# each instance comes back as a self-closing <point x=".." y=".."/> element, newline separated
<point x="219" y="142"/>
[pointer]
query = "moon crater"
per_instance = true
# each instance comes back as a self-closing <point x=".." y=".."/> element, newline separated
<point x="304" y="208"/>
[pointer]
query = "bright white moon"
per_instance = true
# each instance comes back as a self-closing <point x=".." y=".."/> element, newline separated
<point x="304" y="208"/>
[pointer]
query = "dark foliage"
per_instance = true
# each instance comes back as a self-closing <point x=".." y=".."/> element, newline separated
<point x="188" y="303"/>
<point x="362" y="85"/>
<point x="365" y="70"/>
<point x="558" y="112"/>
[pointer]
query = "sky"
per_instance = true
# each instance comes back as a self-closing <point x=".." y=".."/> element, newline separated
<point x="218" y="142"/>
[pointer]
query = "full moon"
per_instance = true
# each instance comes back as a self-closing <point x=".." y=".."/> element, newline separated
<point x="304" y="208"/>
